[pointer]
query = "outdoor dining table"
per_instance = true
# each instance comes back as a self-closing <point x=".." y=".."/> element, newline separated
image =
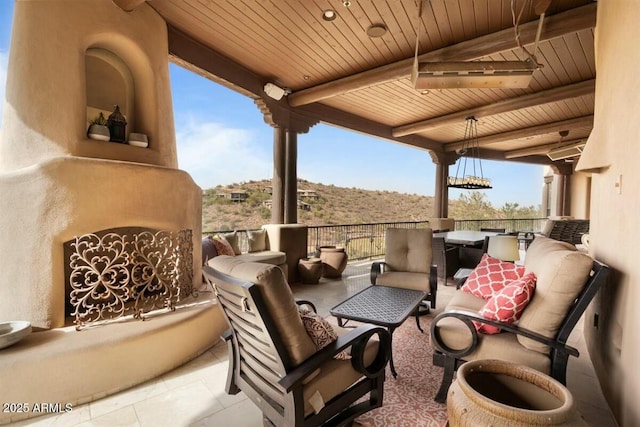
<point x="469" y="245"/>
<point x="465" y="237"/>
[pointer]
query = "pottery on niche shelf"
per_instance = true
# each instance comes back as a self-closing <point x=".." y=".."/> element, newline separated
<point x="98" y="128"/>
<point x="138" y="140"/>
<point x="98" y="132"/>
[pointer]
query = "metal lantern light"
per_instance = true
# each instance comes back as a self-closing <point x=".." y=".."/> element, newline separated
<point x="470" y="150"/>
<point x="117" y="126"/>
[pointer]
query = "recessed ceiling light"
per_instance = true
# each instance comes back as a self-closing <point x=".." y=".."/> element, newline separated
<point x="376" y="30"/>
<point x="329" y="15"/>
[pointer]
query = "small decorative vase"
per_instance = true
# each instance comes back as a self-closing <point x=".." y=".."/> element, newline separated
<point x="310" y="270"/>
<point x="334" y="261"/>
<point x="98" y="132"/>
<point x="504" y="394"/>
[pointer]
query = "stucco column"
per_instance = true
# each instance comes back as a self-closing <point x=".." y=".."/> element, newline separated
<point x="562" y="177"/>
<point x="441" y="199"/>
<point x="563" y="200"/>
<point x="291" y="178"/>
<point x="278" y="179"/>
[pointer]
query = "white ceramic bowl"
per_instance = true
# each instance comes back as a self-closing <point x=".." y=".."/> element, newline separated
<point x="12" y="332"/>
<point x="140" y="137"/>
<point x="138" y="143"/>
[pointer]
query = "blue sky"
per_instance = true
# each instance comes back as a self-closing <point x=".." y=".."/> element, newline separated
<point x="222" y="139"/>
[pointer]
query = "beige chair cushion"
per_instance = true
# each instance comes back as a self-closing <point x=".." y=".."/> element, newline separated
<point x="401" y="279"/>
<point x="336" y="375"/>
<point x="268" y="257"/>
<point x="465" y="301"/>
<point x="278" y="299"/>
<point x="502" y="346"/>
<point x="408" y="249"/>
<point x="561" y="273"/>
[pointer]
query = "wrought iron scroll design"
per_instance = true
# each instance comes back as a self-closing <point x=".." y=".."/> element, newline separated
<point x="124" y="272"/>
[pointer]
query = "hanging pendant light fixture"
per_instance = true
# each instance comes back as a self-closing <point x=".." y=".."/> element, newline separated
<point x="470" y="151"/>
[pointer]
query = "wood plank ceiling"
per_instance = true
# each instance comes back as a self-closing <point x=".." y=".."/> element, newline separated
<point x="338" y="74"/>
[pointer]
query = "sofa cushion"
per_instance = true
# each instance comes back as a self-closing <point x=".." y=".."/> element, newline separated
<point x="267" y="257"/>
<point x="465" y="301"/>
<point x="507" y="304"/>
<point x="222" y="246"/>
<point x="561" y="273"/>
<point x="456" y="335"/>
<point x="491" y="275"/>
<point x="232" y="238"/>
<point x="257" y="240"/>
<point x="403" y="279"/>
<point x="278" y="299"/>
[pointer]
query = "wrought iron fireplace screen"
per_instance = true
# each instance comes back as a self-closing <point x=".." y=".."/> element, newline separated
<point x="126" y="271"/>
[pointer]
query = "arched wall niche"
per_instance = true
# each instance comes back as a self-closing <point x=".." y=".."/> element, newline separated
<point x="118" y="60"/>
<point x="109" y="82"/>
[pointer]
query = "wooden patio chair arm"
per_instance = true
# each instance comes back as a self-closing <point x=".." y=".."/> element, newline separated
<point x="467" y="317"/>
<point x="377" y="268"/>
<point x="357" y="339"/>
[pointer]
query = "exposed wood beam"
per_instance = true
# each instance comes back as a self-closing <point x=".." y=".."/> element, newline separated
<point x="526" y="132"/>
<point x="486" y="154"/>
<point x="538" y="149"/>
<point x="554" y="26"/>
<point x="205" y="61"/>
<point x="530" y="100"/>
<point x="355" y="123"/>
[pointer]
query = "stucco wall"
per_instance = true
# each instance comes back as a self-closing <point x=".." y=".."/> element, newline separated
<point x="54" y="182"/>
<point x="580" y="195"/>
<point x="58" y="199"/>
<point x="45" y="109"/>
<point x="612" y="152"/>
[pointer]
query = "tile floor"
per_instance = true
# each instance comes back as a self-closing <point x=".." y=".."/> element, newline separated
<point x="193" y="394"/>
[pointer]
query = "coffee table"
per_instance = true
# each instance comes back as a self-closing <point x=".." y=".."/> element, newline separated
<point x="379" y="305"/>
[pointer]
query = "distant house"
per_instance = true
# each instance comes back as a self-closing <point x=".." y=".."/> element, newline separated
<point x="304" y="206"/>
<point x="238" y="196"/>
<point x="301" y="205"/>
<point x="307" y="195"/>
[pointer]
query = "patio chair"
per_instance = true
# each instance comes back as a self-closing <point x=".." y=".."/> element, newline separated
<point x="566" y="282"/>
<point x="408" y="262"/>
<point x="274" y="360"/>
<point x="444" y="257"/>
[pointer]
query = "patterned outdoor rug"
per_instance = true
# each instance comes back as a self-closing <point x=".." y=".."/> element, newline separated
<point x="408" y="399"/>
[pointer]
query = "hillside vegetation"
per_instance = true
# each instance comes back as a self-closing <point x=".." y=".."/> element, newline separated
<point x="339" y="205"/>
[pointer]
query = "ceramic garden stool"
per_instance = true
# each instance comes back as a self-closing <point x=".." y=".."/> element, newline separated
<point x="504" y="394"/>
<point x="334" y="260"/>
<point x="310" y="270"/>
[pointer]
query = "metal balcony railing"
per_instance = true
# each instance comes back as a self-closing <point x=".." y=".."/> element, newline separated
<point x="363" y="241"/>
